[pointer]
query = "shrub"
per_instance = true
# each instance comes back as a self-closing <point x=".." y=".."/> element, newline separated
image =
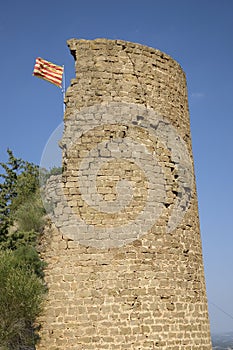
<point x="30" y="214"/>
<point x="21" y="269"/>
<point x="21" y="296"/>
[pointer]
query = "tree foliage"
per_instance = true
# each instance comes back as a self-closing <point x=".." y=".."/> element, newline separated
<point x="20" y="182"/>
<point x="21" y="296"/>
<point x="21" y="269"/>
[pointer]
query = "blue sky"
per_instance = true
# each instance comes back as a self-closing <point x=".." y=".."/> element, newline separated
<point x="198" y="34"/>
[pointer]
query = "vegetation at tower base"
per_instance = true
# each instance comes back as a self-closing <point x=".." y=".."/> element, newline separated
<point x="21" y="295"/>
<point x="21" y="270"/>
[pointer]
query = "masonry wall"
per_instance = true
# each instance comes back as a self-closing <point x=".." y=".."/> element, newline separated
<point x="113" y="285"/>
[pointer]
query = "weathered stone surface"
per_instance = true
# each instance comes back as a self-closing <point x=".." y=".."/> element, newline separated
<point x="114" y="282"/>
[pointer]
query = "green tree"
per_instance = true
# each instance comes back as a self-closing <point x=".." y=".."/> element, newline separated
<point x="20" y="200"/>
<point x="8" y="191"/>
<point x="21" y="269"/>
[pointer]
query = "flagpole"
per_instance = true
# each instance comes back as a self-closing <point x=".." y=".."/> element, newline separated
<point x="64" y="88"/>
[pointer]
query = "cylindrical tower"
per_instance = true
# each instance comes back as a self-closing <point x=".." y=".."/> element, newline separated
<point x="125" y="268"/>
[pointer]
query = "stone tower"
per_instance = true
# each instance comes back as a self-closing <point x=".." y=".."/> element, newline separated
<point x="125" y="268"/>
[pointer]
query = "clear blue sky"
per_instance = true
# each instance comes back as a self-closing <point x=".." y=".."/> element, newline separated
<point x="197" y="33"/>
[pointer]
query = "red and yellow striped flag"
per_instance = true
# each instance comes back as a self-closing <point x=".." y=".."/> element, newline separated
<point x="48" y="71"/>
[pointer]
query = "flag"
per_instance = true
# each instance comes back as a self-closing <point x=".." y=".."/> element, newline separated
<point x="48" y="71"/>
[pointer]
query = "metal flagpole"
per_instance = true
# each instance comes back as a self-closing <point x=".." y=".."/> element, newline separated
<point x="64" y="88"/>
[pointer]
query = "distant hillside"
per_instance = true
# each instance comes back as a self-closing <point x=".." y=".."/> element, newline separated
<point x="222" y="341"/>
